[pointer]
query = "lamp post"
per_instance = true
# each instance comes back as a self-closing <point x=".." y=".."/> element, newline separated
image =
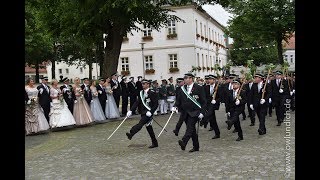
<point x="143" y="69"/>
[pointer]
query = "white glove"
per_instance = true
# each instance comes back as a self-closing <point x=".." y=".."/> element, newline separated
<point x="262" y="101"/>
<point x="100" y="92"/>
<point x="213" y="101"/>
<point x="280" y="90"/>
<point x="200" y="116"/>
<point x="228" y="113"/>
<point x="91" y="101"/>
<point x="251" y="107"/>
<point x="29" y="101"/>
<point x="291" y="93"/>
<point x="270" y="100"/>
<point x="237" y="102"/>
<point x="41" y="90"/>
<point x="106" y="100"/>
<point x="129" y="113"/>
<point x="51" y="104"/>
<point x="174" y="109"/>
<point x="75" y="101"/>
<point x="148" y="113"/>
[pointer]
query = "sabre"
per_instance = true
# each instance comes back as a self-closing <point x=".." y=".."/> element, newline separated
<point x="166" y="123"/>
<point x="117" y="128"/>
<point x="159" y="125"/>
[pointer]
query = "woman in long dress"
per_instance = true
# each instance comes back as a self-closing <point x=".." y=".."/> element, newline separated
<point x="81" y="110"/>
<point x="35" y="121"/>
<point x="60" y="115"/>
<point x="111" y="110"/>
<point x="95" y="106"/>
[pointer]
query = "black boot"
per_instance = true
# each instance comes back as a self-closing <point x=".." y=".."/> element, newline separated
<point x="239" y="139"/>
<point x="153" y="145"/>
<point x="216" y="137"/>
<point x="193" y="150"/>
<point x="182" y="145"/>
<point x="175" y="132"/>
<point x="129" y="136"/>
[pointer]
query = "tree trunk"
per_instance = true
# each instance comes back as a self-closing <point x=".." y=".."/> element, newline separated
<point x="280" y="49"/>
<point x="90" y="70"/>
<point x="53" y="68"/>
<point x="112" y="51"/>
<point x="37" y="71"/>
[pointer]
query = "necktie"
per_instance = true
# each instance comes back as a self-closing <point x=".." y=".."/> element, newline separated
<point x="259" y="87"/>
<point x="278" y="82"/>
<point x="47" y="88"/>
<point x="250" y="84"/>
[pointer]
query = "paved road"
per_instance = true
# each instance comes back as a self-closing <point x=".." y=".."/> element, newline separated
<point x="85" y="153"/>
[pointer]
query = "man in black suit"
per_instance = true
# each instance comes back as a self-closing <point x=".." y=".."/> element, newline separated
<point x="270" y="97"/>
<point x="44" y="97"/>
<point x="180" y="82"/>
<point x="149" y="102"/>
<point x="125" y="95"/>
<point x="248" y="90"/>
<point x="192" y="102"/>
<point x="212" y="105"/>
<point x="132" y="93"/>
<point x="258" y="103"/>
<point x="139" y="88"/>
<point x="280" y="92"/>
<point x="235" y="104"/>
<point x="102" y="95"/>
<point x="86" y="90"/>
<point x="116" y="88"/>
<point x="227" y="86"/>
<point x="68" y="94"/>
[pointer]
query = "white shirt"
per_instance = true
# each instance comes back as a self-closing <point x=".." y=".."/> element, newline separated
<point x="212" y="88"/>
<point x="235" y="92"/>
<point x="189" y="87"/>
<point x="278" y="82"/>
<point x="250" y="85"/>
<point x="259" y="86"/>
<point x="230" y="86"/>
<point x="146" y="91"/>
<point x="45" y="86"/>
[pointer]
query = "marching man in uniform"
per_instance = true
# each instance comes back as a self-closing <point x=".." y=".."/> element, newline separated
<point x="148" y="101"/>
<point x="192" y="101"/>
<point x="171" y="93"/>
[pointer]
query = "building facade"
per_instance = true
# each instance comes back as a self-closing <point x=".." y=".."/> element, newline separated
<point x="198" y="43"/>
<point x="289" y="52"/>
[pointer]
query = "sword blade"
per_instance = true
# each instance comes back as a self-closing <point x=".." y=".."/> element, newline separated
<point x="159" y="125"/>
<point x="166" y="123"/>
<point x="117" y="128"/>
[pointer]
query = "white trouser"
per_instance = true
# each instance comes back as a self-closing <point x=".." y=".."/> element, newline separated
<point x="163" y="106"/>
<point x="171" y="103"/>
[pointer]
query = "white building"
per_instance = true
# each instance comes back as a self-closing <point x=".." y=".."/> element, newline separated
<point x="289" y="52"/>
<point x="198" y="42"/>
<point x="65" y="70"/>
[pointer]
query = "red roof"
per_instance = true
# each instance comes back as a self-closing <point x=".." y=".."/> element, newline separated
<point x="31" y="69"/>
<point x="291" y="43"/>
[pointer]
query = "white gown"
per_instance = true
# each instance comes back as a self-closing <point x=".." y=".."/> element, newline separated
<point x="95" y="106"/>
<point x="60" y="114"/>
<point x="111" y="110"/>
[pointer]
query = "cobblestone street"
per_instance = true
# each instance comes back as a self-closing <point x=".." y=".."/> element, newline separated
<point x="85" y="153"/>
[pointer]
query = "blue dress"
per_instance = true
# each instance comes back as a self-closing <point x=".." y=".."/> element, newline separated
<point x="95" y="106"/>
<point x="111" y="110"/>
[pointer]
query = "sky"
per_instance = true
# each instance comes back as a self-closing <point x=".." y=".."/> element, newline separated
<point x="219" y="14"/>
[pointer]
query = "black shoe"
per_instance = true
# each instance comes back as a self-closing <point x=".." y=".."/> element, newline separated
<point x="211" y="129"/>
<point x="182" y="145"/>
<point x="175" y="132"/>
<point x="193" y="150"/>
<point x="216" y="137"/>
<point x="205" y="125"/>
<point x="153" y="146"/>
<point x="229" y="125"/>
<point x="252" y="124"/>
<point x="234" y="131"/>
<point x="129" y="136"/>
<point x="260" y="132"/>
<point x="279" y="124"/>
<point x="239" y="139"/>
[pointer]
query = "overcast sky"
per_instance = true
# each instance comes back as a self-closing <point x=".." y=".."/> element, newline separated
<point x="218" y="13"/>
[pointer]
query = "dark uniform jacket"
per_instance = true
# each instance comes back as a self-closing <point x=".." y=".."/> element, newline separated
<point x="209" y="96"/>
<point x="87" y="93"/>
<point x="255" y="96"/>
<point x="151" y="99"/>
<point x="230" y="102"/>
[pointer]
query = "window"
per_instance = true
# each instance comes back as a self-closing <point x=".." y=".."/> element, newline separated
<point x="67" y="71"/>
<point x="196" y="26"/>
<point x="202" y="60"/>
<point x="147" y="31"/>
<point x="60" y="71"/>
<point x="81" y="70"/>
<point x="210" y="60"/>
<point x="217" y="60"/>
<point x="207" y="60"/>
<point x="213" y="60"/>
<point x="215" y="36"/>
<point x="148" y="61"/>
<point x="286" y="57"/>
<point x="124" y="64"/>
<point x="205" y="31"/>
<point x="209" y="34"/>
<point x="198" y="59"/>
<point x="291" y="58"/>
<point x="93" y="77"/>
<point x="201" y="29"/>
<point x="171" y="27"/>
<point x="173" y="61"/>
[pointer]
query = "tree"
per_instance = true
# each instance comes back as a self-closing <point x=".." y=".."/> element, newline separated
<point x="259" y="22"/>
<point x="38" y="44"/>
